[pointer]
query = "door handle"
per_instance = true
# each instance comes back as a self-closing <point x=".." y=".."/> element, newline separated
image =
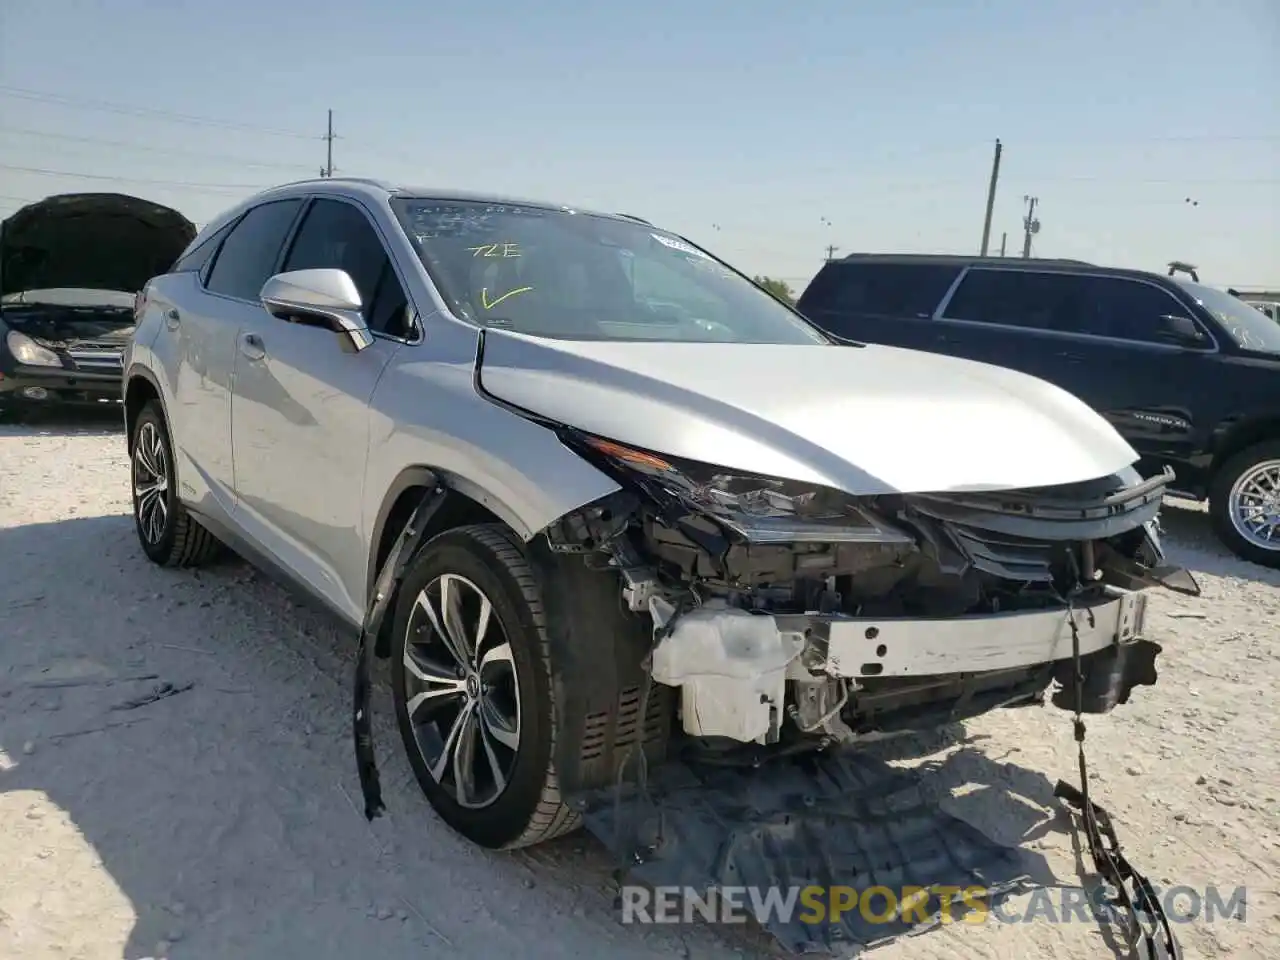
<point x="251" y="346"/>
<point x="172" y="318"/>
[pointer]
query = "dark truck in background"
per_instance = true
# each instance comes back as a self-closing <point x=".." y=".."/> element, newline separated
<point x="1189" y="374"/>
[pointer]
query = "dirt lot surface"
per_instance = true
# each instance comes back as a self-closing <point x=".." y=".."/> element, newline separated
<point x="222" y="821"/>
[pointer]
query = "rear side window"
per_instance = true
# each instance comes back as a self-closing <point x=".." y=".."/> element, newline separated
<point x="879" y="289"/>
<point x="1065" y="303"/>
<point x="1016" y="298"/>
<point x="249" y="253"/>
<point x="195" y="259"/>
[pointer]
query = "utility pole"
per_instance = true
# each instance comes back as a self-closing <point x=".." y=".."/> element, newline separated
<point x="1030" y="226"/>
<point x="1003" y="238"/>
<point x="991" y="198"/>
<point x="831" y="252"/>
<point x="329" y="138"/>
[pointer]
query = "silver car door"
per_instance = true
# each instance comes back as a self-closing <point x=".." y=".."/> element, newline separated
<point x="197" y="346"/>
<point x="300" y="412"/>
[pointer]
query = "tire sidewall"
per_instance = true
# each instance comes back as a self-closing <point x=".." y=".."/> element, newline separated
<point x="502" y="822"/>
<point x="160" y="551"/>
<point x="1220" y="503"/>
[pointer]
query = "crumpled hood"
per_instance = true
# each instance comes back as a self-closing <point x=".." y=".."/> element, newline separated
<point x="866" y="420"/>
<point x="95" y="241"/>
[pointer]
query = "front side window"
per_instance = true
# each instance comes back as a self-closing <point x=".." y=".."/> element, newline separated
<point x="1126" y="309"/>
<point x="339" y="236"/>
<point x="247" y="257"/>
<point x="564" y="275"/>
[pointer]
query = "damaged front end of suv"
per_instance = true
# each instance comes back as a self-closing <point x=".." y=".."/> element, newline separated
<point x="792" y="617"/>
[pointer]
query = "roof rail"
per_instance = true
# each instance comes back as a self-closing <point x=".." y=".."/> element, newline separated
<point x="368" y="181"/>
<point x="632" y="216"/>
<point x="960" y="257"/>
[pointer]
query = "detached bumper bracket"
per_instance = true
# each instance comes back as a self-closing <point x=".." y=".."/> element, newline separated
<point x="1148" y="925"/>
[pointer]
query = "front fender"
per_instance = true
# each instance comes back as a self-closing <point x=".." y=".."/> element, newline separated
<point x="428" y="419"/>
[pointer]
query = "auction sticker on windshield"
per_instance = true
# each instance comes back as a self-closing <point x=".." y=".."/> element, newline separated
<point x="678" y="245"/>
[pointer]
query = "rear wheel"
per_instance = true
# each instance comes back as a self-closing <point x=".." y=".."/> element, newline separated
<point x="471" y="678"/>
<point x="169" y="535"/>
<point x="1244" y="503"/>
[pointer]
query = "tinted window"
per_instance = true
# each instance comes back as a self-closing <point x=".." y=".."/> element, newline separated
<point x="1127" y="309"/>
<point x="557" y="273"/>
<point x="339" y="236"/>
<point x="388" y="311"/>
<point x="878" y="289"/>
<point x="1068" y="303"/>
<point x="194" y="260"/>
<point x="248" y="255"/>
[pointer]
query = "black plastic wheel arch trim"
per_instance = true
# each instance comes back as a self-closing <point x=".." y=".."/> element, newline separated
<point x="406" y="549"/>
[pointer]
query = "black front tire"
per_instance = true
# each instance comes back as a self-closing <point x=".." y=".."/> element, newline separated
<point x="1220" y="506"/>
<point x="530" y="808"/>
<point x="177" y="540"/>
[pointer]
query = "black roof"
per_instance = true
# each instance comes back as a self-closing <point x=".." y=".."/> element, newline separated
<point x="1004" y="263"/>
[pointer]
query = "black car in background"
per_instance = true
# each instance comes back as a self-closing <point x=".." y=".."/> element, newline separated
<point x="1189" y="374"/>
<point x="70" y="268"/>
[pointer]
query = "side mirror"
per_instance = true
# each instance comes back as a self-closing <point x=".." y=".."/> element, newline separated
<point x="326" y="297"/>
<point x="1181" y="330"/>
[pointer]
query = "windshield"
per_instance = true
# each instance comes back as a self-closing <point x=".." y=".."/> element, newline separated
<point x="575" y="276"/>
<point x="1249" y="328"/>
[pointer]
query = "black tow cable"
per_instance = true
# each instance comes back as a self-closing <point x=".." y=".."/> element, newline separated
<point x="1147" y="921"/>
<point x="389" y="578"/>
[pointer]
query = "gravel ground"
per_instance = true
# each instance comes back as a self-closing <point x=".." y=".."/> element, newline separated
<point x="222" y="821"/>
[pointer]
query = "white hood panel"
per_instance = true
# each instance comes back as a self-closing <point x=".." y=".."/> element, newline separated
<point x="866" y="420"/>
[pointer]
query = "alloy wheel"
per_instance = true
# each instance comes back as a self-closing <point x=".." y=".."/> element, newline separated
<point x="150" y="483"/>
<point x="1255" y="505"/>
<point x="461" y="692"/>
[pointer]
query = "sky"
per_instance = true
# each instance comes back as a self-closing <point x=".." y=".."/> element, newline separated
<point x="1148" y="131"/>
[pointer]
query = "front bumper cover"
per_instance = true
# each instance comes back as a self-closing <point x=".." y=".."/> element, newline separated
<point x="35" y="387"/>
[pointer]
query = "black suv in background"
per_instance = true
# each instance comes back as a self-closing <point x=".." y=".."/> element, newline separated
<point x="1189" y="374"/>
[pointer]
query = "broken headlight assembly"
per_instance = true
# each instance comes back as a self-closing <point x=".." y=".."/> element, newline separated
<point x="758" y="509"/>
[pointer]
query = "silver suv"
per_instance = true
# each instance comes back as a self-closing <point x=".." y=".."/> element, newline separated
<point x="613" y="496"/>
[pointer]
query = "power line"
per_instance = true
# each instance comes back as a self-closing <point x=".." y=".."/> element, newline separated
<point x="42" y="171"/>
<point x="1173" y="180"/>
<point x="149" y="148"/>
<point x="127" y="110"/>
<point x="1174" y="138"/>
